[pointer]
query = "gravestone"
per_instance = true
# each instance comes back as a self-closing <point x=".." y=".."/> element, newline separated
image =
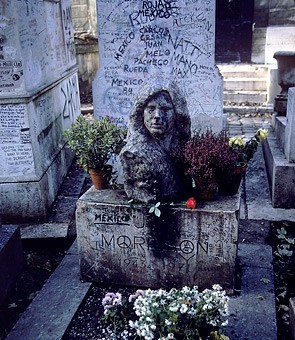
<point x="11" y="259"/>
<point x="290" y="127"/>
<point x="39" y="98"/>
<point x="121" y="243"/>
<point x="144" y="40"/>
<point x="280" y="157"/>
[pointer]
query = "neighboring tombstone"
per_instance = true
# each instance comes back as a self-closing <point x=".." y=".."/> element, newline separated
<point x="140" y="40"/>
<point x="11" y="259"/>
<point x="290" y="127"/>
<point x="286" y="79"/>
<point x="39" y="98"/>
<point x="158" y="124"/>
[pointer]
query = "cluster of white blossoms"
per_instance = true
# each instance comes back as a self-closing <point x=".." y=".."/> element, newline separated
<point x="163" y="314"/>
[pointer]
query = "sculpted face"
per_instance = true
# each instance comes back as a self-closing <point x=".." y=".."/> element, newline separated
<point x="159" y="115"/>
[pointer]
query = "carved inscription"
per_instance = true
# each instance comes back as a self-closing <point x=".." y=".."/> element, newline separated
<point x="70" y="98"/>
<point x="68" y="30"/>
<point x="143" y="39"/>
<point x="11" y="66"/>
<point x="15" y="141"/>
<point x="134" y="245"/>
<point x="123" y="244"/>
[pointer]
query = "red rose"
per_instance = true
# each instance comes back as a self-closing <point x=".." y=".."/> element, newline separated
<point x="191" y="203"/>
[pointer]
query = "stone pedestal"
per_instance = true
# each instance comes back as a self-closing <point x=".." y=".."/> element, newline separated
<point x="121" y="243"/>
<point x="11" y="259"/>
<point x="39" y="98"/>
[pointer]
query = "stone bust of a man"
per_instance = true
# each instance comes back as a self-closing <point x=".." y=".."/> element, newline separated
<point x="158" y="123"/>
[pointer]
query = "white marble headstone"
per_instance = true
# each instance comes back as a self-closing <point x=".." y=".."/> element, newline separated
<point x="143" y="40"/>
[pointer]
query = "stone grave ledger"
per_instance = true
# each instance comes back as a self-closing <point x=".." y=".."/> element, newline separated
<point x="140" y="41"/>
<point x="123" y="244"/>
<point x="39" y="98"/>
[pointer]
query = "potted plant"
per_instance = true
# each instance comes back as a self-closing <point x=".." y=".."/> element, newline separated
<point x="201" y="159"/>
<point x="248" y="149"/>
<point x="94" y="142"/>
<point x="230" y="169"/>
<point x="234" y="159"/>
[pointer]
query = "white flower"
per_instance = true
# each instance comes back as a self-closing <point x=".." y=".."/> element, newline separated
<point x="173" y="308"/>
<point x="183" y="308"/>
<point x="216" y="287"/>
<point x="168" y="322"/>
<point x="170" y="336"/>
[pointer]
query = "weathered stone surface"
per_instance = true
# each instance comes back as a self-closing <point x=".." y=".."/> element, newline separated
<point x="39" y="98"/>
<point x="38" y="45"/>
<point x="124" y="244"/>
<point x="290" y="126"/>
<point x="158" y="123"/>
<point x="144" y="40"/>
<point x="11" y="259"/>
<point x="278" y="38"/>
<point x="281" y="174"/>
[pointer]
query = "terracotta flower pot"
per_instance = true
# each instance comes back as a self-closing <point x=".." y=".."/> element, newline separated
<point x="205" y="189"/>
<point x="229" y="183"/>
<point x="101" y="177"/>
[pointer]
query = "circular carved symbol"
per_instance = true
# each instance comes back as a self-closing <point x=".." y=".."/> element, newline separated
<point x="15" y="77"/>
<point x="187" y="247"/>
<point x="124" y="241"/>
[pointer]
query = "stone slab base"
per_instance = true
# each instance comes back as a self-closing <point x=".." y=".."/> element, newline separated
<point x="30" y="200"/>
<point x="281" y="174"/>
<point x="122" y="243"/>
<point x="11" y="259"/>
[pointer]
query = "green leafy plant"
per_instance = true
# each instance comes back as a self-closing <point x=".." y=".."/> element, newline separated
<point x="284" y="266"/>
<point x="95" y="141"/>
<point x="154" y="209"/>
<point x="183" y="313"/>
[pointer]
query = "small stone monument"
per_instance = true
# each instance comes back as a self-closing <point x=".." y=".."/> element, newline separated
<point x="142" y="44"/>
<point x="121" y="243"/>
<point x="158" y="124"/>
<point x="286" y="79"/>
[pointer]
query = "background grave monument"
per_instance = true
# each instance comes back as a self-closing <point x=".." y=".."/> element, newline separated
<point x="11" y="259"/>
<point x="280" y="157"/>
<point x="142" y="40"/>
<point x="39" y="98"/>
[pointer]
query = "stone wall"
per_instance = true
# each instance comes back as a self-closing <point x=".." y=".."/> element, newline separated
<point x="273" y="29"/>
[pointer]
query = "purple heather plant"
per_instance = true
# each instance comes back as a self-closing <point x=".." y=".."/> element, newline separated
<point x="207" y="153"/>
